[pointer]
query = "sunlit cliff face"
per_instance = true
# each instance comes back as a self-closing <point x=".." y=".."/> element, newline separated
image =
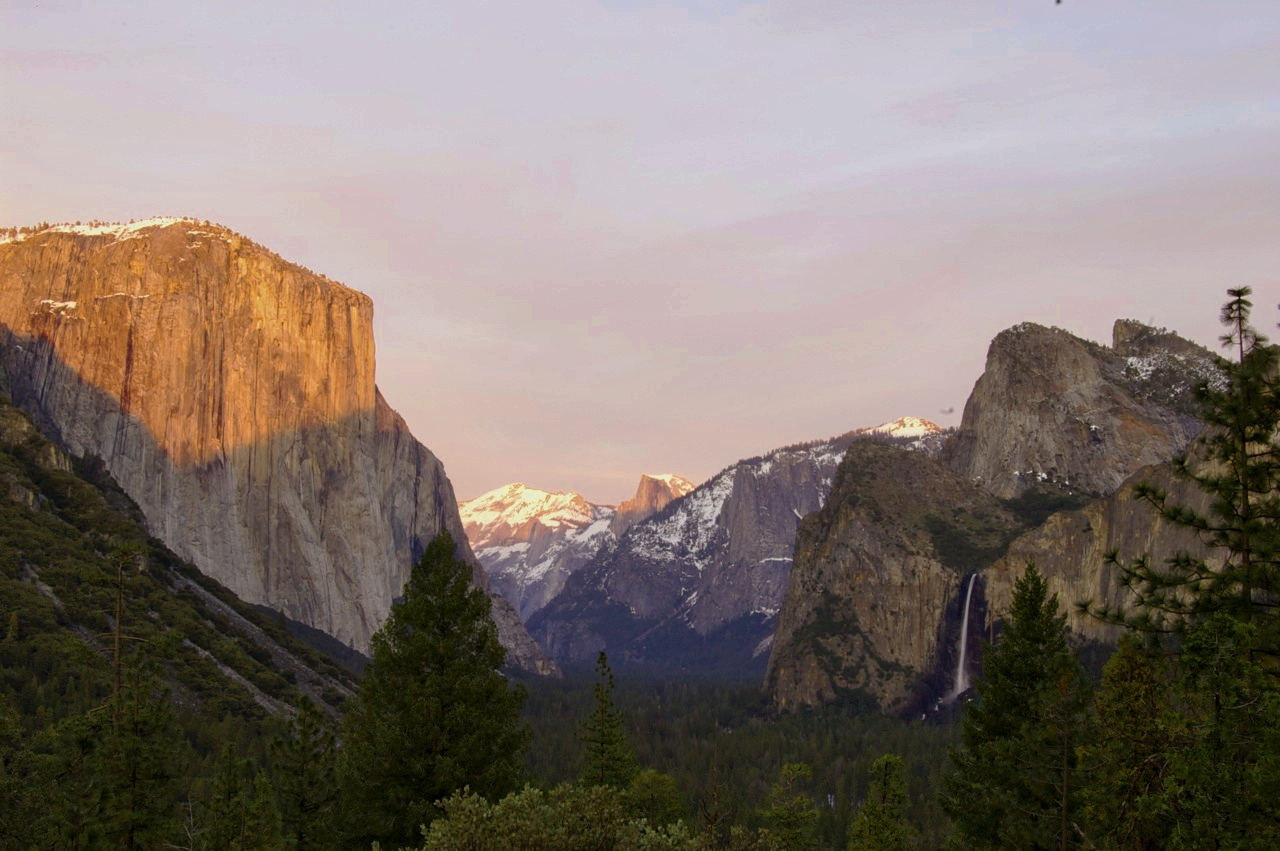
<point x="210" y="341"/>
<point x="231" y="395"/>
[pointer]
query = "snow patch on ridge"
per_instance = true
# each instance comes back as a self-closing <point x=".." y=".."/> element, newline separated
<point x="1144" y="367"/>
<point x="906" y="427"/>
<point x="119" y="230"/>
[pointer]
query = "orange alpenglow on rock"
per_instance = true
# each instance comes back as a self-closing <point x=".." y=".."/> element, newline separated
<point x="231" y="394"/>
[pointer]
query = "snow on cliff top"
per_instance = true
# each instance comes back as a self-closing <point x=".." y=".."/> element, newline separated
<point x="120" y="230"/>
<point x="678" y="485"/>
<point x="123" y="231"/>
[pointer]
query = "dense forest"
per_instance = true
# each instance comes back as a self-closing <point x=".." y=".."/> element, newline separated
<point x="143" y="706"/>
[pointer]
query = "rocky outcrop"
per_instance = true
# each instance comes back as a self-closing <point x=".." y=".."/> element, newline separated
<point x="1071" y="550"/>
<point x="873" y="605"/>
<point x="231" y="394"/>
<point x="1054" y="436"/>
<point x="653" y="494"/>
<point x="1053" y="408"/>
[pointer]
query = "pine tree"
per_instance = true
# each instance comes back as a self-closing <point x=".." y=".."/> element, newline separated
<point x="20" y="803"/>
<point x="1014" y="782"/>
<point x="1240" y="472"/>
<point x="70" y="779"/>
<point x="433" y="713"/>
<point x="880" y="824"/>
<point x="1224" y="765"/>
<point x="653" y="796"/>
<point x="1219" y="615"/>
<point x="1128" y="762"/>
<point x="609" y="758"/>
<point x="241" y="812"/>
<point x="304" y="762"/>
<point x="790" y="812"/>
<point x="139" y="763"/>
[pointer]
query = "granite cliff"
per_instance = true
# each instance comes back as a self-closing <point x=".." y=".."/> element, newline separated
<point x="874" y="594"/>
<point x="1071" y="549"/>
<point x="1055" y="434"/>
<point x="231" y="394"/>
<point x="1052" y="408"/>
<point x="653" y="494"/>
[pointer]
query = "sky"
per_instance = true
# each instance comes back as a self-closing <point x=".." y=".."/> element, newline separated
<point x="609" y="238"/>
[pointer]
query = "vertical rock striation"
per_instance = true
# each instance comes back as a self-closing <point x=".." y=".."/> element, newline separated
<point x="1071" y="549"/>
<point x="231" y="394"/>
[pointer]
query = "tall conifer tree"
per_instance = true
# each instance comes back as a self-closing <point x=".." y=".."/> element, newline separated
<point x="138" y="763"/>
<point x="610" y="760"/>
<point x="1239" y="469"/>
<point x="433" y="714"/>
<point x="1128" y="762"/>
<point x="1203" y="772"/>
<point x="880" y="823"/>
<point x="304" y="762"/>
<point x="1014" y="785"/>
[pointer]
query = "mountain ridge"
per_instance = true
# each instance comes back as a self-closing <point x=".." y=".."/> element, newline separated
<point x="1054" y="435"/>
<point x="695" y="587"/>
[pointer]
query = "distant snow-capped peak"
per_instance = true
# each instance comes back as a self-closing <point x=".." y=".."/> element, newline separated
<point x="906" y="427"/>
<point x="495" y="514"/>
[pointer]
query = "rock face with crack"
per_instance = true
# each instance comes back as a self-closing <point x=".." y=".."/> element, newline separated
<point x="231" y="394"/>
<point x="876" y="575"/>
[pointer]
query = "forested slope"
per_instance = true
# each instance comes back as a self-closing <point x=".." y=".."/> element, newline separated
<point x="210" y="670"/>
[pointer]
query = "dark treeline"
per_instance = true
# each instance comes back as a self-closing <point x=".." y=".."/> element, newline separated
<point x="728" y="734"/>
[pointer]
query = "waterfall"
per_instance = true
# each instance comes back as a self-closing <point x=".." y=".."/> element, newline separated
<point x="961" y="683"/>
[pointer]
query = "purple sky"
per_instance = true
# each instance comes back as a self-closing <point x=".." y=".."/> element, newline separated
<point x="612" y="238"/>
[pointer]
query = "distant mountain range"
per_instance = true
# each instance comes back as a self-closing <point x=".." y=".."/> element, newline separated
<point x="693" y="589"/>
<point x="530" y="541"/>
